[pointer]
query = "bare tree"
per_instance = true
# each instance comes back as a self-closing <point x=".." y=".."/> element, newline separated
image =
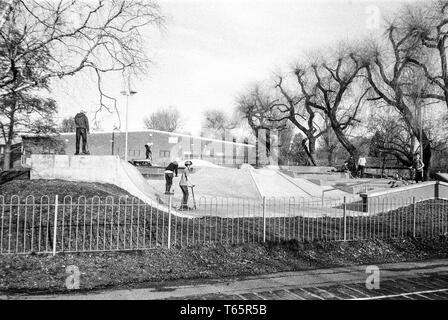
<point x="258" y="107"/>
<point x="57" y="39"/>
<point x="421" y="31"/>
<point x="5" y="7"/>
<point x="393" y="137"/>
<point x="217" y="123"/>
<point x="68" y="125"/>
<point x="297" y="109"/>
<point x="394" y="81"/>
<point x="167" y="119"/>
<point x="291" y="147"/>
<point x="330" y="87"/>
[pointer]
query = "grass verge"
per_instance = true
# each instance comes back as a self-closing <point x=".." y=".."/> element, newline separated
<point x="39" y="274"/>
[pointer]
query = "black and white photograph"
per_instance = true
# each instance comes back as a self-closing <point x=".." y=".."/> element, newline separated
<point x="219" y="156"/>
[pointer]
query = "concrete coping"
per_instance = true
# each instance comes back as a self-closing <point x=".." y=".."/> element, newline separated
<point x="317" y="173"/>
<point x="400" y="189"/>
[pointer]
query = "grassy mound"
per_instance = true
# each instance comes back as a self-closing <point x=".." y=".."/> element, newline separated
<point x="39" y="188"/>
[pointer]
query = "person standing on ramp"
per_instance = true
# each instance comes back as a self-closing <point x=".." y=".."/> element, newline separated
<point x="82" y="129"/>
<point x="184" y="183"/>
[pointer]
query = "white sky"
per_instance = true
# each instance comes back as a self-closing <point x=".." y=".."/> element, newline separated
<point x="213" y="49"/>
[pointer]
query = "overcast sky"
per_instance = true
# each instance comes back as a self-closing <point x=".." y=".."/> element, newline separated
<point x="212" y="50"/>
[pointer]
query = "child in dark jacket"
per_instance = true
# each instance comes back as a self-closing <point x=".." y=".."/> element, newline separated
<point x="169" y="174"/>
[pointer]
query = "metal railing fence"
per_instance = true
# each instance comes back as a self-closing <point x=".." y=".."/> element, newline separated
<point x="63" y="224"/>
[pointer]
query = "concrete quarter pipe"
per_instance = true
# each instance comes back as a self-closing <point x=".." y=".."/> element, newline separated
<point x="100" y="169"/>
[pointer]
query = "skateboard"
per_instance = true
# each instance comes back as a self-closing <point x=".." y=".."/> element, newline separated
<point x="142" y="162"/>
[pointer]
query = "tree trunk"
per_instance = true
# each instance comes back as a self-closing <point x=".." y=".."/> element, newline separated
<point x="309" y="152"/>
<point x="423" y="140"/>
<point x="427" y="153"/>
<point x="330" y="156"/>
<point x="7" y="157"/>
<point x="257" y="158"/>
<point x="9" y="137"/>
<point x="443" y="62"/>
<point x="312" y="149"/>
<point x="268" y="143"/>
<point x="344" y="140"/>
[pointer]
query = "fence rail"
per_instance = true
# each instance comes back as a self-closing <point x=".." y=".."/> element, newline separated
<point x="63" y="224"/>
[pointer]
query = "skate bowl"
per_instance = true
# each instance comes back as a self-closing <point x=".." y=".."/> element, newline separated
<point x="229" y="192"/>
<point x="219" y="191"/>
<point x="100" y="169"/>
<point x="215" y="182"/>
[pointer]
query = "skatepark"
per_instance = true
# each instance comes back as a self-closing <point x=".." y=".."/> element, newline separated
<point x="231" y="192"/>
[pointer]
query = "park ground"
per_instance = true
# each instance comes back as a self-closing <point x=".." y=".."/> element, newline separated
<point x="45" y="274"/>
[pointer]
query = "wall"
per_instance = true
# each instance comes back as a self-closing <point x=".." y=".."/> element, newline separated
<point x="379" y="201"/>
<point x="166" y="146"/>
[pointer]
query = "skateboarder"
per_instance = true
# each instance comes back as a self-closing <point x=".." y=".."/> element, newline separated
<point x="148" y="148"/>
<point x="82" y="129"/>
<point x="184" y="183"/>
<point x="169" y="174"/>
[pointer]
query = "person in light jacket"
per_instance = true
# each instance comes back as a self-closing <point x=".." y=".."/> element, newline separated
<point x="418" y="167"/>
<point x="361" y="166"/>
<point x="184" y="183"/>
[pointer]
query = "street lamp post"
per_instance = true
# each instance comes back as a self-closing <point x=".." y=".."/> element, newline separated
<point x="127" y="94"/>
<point x="112" y="142"/>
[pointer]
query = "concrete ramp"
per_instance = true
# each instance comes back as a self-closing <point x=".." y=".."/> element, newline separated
<point x="214" y="182"/>
<point x="101" y="169"/>
<point x="441" y="176"/>
<point x="272" y="184"/>
<point x="317" y="191"/>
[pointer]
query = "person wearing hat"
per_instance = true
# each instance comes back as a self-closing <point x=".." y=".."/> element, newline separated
<point x="82" y="129"/>
<point x="169" y="174"/>
<point x="148" y="147"/>
<point x="184" y="183"/>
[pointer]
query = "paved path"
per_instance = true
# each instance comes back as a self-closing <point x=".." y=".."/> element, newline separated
<point x="412" y="280"/>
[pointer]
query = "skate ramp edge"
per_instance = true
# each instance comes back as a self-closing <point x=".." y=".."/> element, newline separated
<point x="441" y="176"/>
<point x="271" y="183"/>
<point x="100" y="169"/>
<point x="395" y="197"/>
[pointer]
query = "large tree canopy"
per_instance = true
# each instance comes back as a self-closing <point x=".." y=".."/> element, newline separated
<point x="55" y="39"/>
